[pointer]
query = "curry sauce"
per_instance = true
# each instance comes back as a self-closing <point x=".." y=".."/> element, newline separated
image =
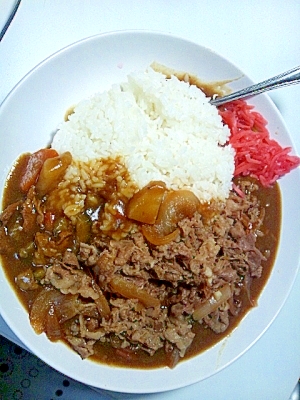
<point x="111" y="350"/>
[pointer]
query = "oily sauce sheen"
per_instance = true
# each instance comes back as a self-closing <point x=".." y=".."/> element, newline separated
<point x="105" y="353"/>
<point x="205" y="338"/>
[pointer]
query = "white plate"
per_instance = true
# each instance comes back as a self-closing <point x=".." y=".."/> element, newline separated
<point x="28" y="118"/>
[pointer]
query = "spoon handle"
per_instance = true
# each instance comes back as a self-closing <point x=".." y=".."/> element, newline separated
<point x="290" y="77"/>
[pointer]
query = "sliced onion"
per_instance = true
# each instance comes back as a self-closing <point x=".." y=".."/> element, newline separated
<point x="129" y="290"/>
<point x="175" y="206"/>
<point x="40" y="309"/>
<point x="48" y="301"/>
<point x="211" y="305"/>
<point x="144" y="204"/>
<point x="101" y="302"/>
<point x="52" y="327"/>
<point x="66" y="306"/>
<point x="154" y="235"/>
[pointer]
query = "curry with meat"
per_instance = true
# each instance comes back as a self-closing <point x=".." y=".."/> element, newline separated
<point x="104" y="284"/>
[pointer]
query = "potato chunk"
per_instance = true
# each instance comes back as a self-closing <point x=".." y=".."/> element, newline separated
<point x="52" y="173"/>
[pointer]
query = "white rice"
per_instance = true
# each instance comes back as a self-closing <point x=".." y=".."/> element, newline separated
<point x="164" y="129"/>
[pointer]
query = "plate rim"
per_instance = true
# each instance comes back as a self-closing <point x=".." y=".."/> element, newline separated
<point x="173" y="37"/>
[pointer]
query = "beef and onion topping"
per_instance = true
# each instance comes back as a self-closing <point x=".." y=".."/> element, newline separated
<point x="145" y="232"/>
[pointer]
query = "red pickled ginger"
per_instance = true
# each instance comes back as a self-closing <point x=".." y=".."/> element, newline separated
<point x="257" y="154"/>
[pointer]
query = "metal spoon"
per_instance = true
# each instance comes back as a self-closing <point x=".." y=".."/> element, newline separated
<point x="290" y="77"/>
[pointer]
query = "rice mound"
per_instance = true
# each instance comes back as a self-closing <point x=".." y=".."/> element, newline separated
<point x="163" y="129"/>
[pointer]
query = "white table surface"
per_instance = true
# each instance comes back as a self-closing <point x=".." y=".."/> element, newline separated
<point x="263" y="39"/>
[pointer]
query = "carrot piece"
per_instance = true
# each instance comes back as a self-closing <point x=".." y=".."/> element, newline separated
<point x="34" y="166"/>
